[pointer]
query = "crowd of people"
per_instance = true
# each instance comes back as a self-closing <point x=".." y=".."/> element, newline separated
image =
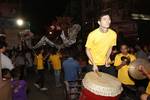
<point x="66" y="61"/>
<point x="19" y="66"/>
<point x="70" y="63"/>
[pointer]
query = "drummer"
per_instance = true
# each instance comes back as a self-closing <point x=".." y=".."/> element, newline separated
<point x="99" y="45"/>
<point x="122" y="65"/>
<point x="146" y="95"/>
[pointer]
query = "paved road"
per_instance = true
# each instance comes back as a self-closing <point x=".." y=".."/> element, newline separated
<point x="53" y="93"/>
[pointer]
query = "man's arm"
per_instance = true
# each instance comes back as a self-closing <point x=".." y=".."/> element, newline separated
<point x="88" y="52"/>
<point x="107" y="62"/>
<point x="121" y="65"/>
<point x="113" y="43"/>
<point x="144" y="71"/>
<point x="117" y="63"/>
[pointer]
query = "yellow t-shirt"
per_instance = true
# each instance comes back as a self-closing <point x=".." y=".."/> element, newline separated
<point x="148" y="89"/>
<point x="123" y="75"/>
<point x="40" y="62"/>
<point x="100" y="43"/>
<point x="55" y="60"/>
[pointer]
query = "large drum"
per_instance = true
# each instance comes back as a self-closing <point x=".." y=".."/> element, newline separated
<point x="100" y="86"/>
<point x="134" y="68"/>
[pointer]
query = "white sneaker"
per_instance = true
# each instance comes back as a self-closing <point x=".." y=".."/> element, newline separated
<point x="36" y="85"/>
<point x="43" y="89"/>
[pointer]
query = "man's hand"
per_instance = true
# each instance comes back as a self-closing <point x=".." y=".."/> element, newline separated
<point x="123" y="63"/>
<point x="144" y="71"/>
<point x="95" y="68"/>
<point x="107" y="63"/>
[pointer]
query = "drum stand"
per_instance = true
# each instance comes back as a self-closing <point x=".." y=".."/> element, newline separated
<point x="72" y="89"/>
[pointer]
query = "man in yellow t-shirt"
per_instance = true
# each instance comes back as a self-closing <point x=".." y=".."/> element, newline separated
<point x="122" y="65"/>
<point x="122" y="60"/>
<point x="99" y="44"/>
<point x="148" y="89"/>
<point x="146" y="95"/>
<point x="55" y="59"/>
<point x="39" y="62"/>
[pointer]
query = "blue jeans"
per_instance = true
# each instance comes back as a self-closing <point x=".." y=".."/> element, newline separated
<point x="48" y="65"/>
<point x="57" y="76"/>
<point x="41" y="78"/>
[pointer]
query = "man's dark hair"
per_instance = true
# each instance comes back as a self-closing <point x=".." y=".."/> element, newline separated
<point x="123" y="45"/>
<point x="54" y="51"/>
<point x="69" y="52"/>
<point x="2" y="44"/>
<point x="103" y="13"/>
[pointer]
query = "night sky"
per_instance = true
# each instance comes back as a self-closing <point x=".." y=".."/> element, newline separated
<point x="41" y="12"/>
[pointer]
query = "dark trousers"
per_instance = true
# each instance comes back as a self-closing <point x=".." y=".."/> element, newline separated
<point x="41" y="78"/>
<point x="22" y="71"/>
<point x="130" y="92"/>
<point x="109" y="70"/>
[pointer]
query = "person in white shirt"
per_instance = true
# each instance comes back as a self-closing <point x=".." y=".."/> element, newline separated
<point x="4" y="60"/>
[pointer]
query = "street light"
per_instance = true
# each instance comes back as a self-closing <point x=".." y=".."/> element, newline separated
<point x="20" y="22"/>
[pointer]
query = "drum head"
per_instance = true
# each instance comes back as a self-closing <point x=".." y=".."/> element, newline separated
<point x="103" y="84"/>
<point x="134" y="70"/>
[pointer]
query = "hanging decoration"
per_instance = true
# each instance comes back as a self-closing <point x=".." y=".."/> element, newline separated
<point x="61" y="30"/>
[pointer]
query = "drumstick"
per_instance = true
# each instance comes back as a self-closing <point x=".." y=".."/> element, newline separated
<point x="98" y="73"/>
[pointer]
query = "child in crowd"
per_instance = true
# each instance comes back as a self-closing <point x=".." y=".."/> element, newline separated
<point x="19" y="86"/>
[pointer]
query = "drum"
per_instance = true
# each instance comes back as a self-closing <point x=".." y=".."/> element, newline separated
<point x="100" y="87"/>
<point x="134" y="68"/>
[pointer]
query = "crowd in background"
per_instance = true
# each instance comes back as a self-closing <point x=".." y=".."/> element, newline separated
<point x="66" y="65"/>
